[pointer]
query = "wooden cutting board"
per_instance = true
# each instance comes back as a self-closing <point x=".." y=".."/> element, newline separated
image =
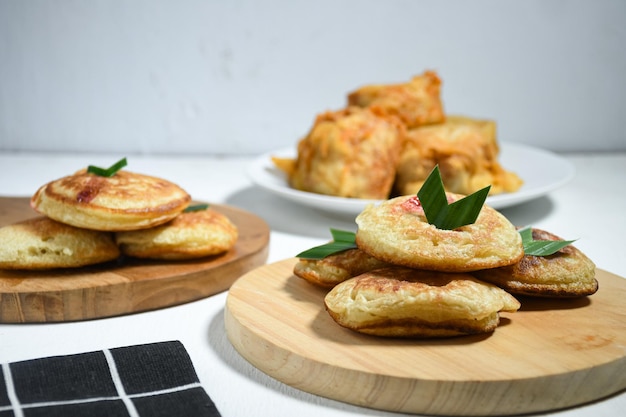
<point x="549" y="355"/>
<point x="128" y="286"/>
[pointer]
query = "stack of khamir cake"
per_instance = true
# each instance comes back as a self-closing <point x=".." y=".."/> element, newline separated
<point x="406" y="277"/>
<point x="88" y="218"/>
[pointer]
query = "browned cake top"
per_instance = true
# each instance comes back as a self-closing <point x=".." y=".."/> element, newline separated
<point x="124" y="201"/>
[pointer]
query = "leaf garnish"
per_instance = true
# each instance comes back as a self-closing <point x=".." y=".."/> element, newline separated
<point x="439" y="213"/>
<point x="196" y="207"/>
<point x="342" y="240"/>
<point x="108" y="172"/>
<point x="541" y="247"/>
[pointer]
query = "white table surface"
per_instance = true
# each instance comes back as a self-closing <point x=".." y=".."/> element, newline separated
<point x="591" y="208"/>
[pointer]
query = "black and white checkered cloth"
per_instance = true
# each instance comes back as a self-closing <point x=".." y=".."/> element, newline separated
<point x="156" y="379"/>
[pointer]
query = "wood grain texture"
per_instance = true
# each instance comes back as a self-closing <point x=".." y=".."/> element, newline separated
<point x="549" y="355"/>
<point x="127" y="286"/>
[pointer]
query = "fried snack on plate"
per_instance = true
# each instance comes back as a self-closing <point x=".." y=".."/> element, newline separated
<point x="466" y="151"/>
<point x="416" y="102"/>
<point x="396" y="231"/>
<point x="124" y="201"/>
<point x="566" y="273"/>
<point x="347" y="153"/>
<point x="190" y="235"/>
<point x="338" y="267"/>
<point x="405" y="302"/>
<point x="42" y="243"/>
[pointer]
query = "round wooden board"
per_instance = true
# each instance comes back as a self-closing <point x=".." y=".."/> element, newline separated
<point x="127" y="286"/>
<point x="549" y="355"/>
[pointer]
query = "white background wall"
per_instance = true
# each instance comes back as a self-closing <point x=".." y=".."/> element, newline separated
<point x="244" y="76"/>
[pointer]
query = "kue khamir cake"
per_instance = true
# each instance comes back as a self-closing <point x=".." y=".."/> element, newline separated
<point x="42" y="243"/>
<point x="123" y="201"/>
<point x="405" y="302"/>
<point x="336" y="268"/>
<point x="565" y="273"/>
<point x="397" y="231"/>
<point x="190" y="235"/>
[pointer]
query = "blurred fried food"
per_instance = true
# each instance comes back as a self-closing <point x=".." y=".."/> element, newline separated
<point x="415" y="103"/>
<point x="389" y="138"/>
<point x="348" y="153"/>
<point x="466" y="151"/>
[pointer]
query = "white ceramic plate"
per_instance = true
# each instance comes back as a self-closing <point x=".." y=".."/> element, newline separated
<point x="541" y="170"/>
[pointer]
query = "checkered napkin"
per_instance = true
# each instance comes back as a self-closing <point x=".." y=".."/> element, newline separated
<point x="137" y="381"/>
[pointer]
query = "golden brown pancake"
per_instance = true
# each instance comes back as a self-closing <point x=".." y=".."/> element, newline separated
<point x="190" y="235"/>
<point x="125" y="201"/>
<point x="347" y="153"/>
<point x="336" y="268"/>
<point x="42" y="243"/>
<point x="416" y="102"/>
<point x="466" y="151"/>
<point x="396" y="231"/>
<point x="404" y="302"/>
<point x="567" y="273"/>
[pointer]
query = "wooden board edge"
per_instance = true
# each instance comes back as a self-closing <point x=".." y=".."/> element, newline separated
<point x="431" y="397"/>
<point x="42" y="303"/>
<point x="61" y="305"/>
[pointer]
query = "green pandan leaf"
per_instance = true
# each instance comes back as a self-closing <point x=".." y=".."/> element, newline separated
<point x="108" y="172"/>
<point x="196" y="207"/>
<point x="541" y="247"/>
<point x="342" y="240"/>
<point x="343" y="236"/>
<point x="446" y="216"/>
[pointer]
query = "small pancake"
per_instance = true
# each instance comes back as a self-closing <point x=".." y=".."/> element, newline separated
<point x="125" y="201"/>
<point x="396" y="231"/>
<point x="42" y="243"/>
<point x="191" y="235"/>
<point x="416" y="102"/>
<point x="567" y="273"/>
<point x="404" y="302"/>
<point x="336" y="268"/>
